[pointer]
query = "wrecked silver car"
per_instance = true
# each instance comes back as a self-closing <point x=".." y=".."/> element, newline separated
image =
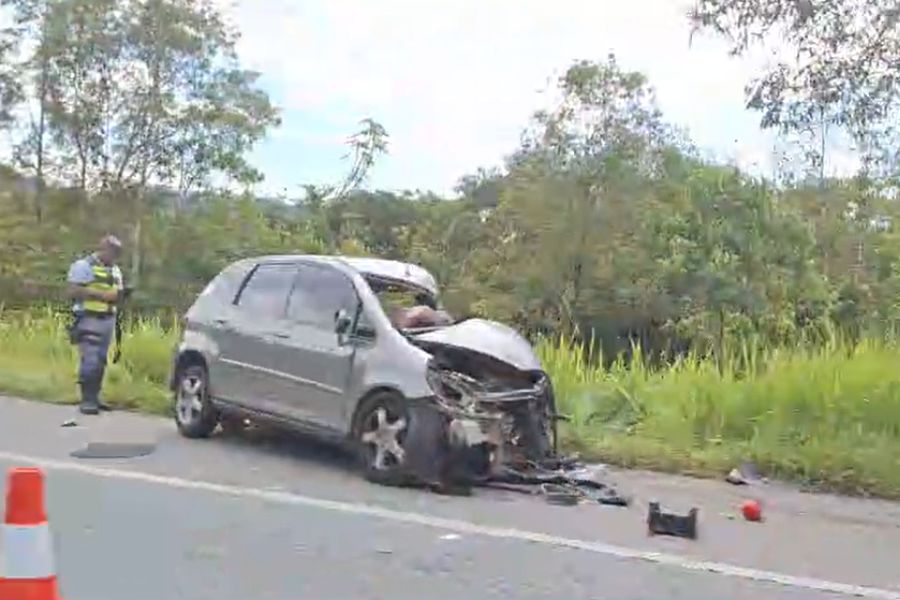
<point x="358" y="350"/>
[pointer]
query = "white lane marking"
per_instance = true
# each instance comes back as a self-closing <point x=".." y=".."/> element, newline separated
<point x="460" y="527"/>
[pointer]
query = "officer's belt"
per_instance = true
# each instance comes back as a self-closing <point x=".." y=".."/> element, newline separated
<point x="96" y="315"/>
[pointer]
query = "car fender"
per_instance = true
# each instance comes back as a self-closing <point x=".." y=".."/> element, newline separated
<point x="193" y="342"/>
<point x="396" y="365"/>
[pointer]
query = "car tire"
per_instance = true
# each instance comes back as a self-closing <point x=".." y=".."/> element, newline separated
<point x="378" y="433"/>
<point x="195" y="415"/>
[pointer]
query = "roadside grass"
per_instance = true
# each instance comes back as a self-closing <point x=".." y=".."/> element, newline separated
<point x="827" y="417"/>
<point x="37" y="361"/>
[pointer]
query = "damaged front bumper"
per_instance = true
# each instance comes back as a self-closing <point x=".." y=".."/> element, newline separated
<point x="469" y="441"/>
<point x="442" y="446"/>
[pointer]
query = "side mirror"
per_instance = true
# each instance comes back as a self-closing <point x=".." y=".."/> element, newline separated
<point x="342" y="322"/>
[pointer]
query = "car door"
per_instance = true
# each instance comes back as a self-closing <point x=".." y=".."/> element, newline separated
<point x="320" y="360"/>
<point x="252" y="335"/>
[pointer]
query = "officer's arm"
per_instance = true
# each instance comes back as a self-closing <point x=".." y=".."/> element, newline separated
<point x="77" y="291"/>
<point x="80" y="275"/>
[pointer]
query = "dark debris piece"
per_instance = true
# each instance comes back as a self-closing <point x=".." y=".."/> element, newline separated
<point x="560" y="495"/>
<point x="559" y="478"/>
<point x="662" y="523"/>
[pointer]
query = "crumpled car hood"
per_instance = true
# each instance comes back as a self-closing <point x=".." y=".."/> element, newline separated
<point x="486" y="337"/>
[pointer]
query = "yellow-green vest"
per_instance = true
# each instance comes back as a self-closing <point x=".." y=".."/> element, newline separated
<point x="105" y="280"/>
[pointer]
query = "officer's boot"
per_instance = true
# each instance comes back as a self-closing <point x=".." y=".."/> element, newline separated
<point x="103" y="405"/>
<point x="90" y="404"/>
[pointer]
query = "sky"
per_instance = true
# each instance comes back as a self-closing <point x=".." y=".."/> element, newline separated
<point x="454" y="82"/>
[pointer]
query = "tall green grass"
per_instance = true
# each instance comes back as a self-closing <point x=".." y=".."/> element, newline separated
<point x="825" y="415"/>
<point x="37" y="361"/>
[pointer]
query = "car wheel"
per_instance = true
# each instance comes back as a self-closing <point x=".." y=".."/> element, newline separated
<point x="195" y="415"/>
<point x="380" y="434"/>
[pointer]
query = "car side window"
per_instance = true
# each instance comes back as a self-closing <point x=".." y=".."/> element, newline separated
<point x="319" y="292"/>
<point x="266" y="293"/>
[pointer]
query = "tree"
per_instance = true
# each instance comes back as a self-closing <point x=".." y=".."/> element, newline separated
<point x="607" y="115"/>
<point x="27" y="79"/>
<point x="842" y="70"/>
<point x="569" y="184"/>
<point x="145" y="92"/>
<point x="326" y="203"/>
<point x="366" y="145"/>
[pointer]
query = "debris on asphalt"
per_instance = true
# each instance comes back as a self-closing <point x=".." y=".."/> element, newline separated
<point x="587" y="472"/>
<point x="663" y="523"/>
<point x="734" y="477"/>
<point x="451" y="537"/>
<point x="562" y="481"/>
<point x="744" y="474"/>
<point x="560" y="495"/>
<point x="752" y="510"/>
<point x="69" y="423"/>
<point x="519" y="488"/>
<point x="610" y="497"/>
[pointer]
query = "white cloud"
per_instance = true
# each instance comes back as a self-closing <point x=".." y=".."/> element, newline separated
<point x="455" y="81"/>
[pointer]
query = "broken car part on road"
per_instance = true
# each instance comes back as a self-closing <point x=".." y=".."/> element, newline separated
<point x="663" y="523"/>
<point x="558" y="477"/>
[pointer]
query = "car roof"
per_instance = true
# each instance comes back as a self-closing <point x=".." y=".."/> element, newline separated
<point x="382" y="268"/>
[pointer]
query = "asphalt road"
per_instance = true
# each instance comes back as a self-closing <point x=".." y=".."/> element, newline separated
<point x="269" y="518"/>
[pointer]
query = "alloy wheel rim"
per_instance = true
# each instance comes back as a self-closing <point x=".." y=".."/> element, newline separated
<point x="189" y="403"/>
<point x="384" y="438"/>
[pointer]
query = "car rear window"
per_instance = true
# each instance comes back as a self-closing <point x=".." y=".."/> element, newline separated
<point x="266" y="293"/>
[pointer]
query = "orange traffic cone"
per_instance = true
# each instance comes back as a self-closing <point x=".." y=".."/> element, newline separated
<point x="27" y="570"/>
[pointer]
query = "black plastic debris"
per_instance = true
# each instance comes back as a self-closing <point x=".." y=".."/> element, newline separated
<point x="113" y="450"/>
<point x="577" y="479"/>
<point x="610" y="497"/>
<point x="662" y="523"/>
<point x="560" y="495"/>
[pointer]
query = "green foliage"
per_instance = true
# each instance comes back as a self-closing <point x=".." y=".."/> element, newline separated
<point x="827" y="416"/>
<point x="838" y="69"/>
<point x="37" y="360"/>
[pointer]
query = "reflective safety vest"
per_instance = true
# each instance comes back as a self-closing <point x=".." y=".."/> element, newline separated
<point x="106" y="279"/>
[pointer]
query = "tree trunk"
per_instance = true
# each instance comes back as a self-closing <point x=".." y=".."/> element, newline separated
<point x="41" y="127"/>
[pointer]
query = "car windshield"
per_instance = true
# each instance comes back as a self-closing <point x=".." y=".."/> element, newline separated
<point x="407" y="306"/>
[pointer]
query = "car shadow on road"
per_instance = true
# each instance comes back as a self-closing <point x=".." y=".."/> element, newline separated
<point x="280" y="443"/>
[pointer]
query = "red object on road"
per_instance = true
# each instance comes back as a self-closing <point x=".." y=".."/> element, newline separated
<point x="752" y="510"/>
<point x="27" y="570"/>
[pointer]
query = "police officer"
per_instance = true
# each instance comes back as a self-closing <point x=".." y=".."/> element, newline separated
<point x="95" y="286"/>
